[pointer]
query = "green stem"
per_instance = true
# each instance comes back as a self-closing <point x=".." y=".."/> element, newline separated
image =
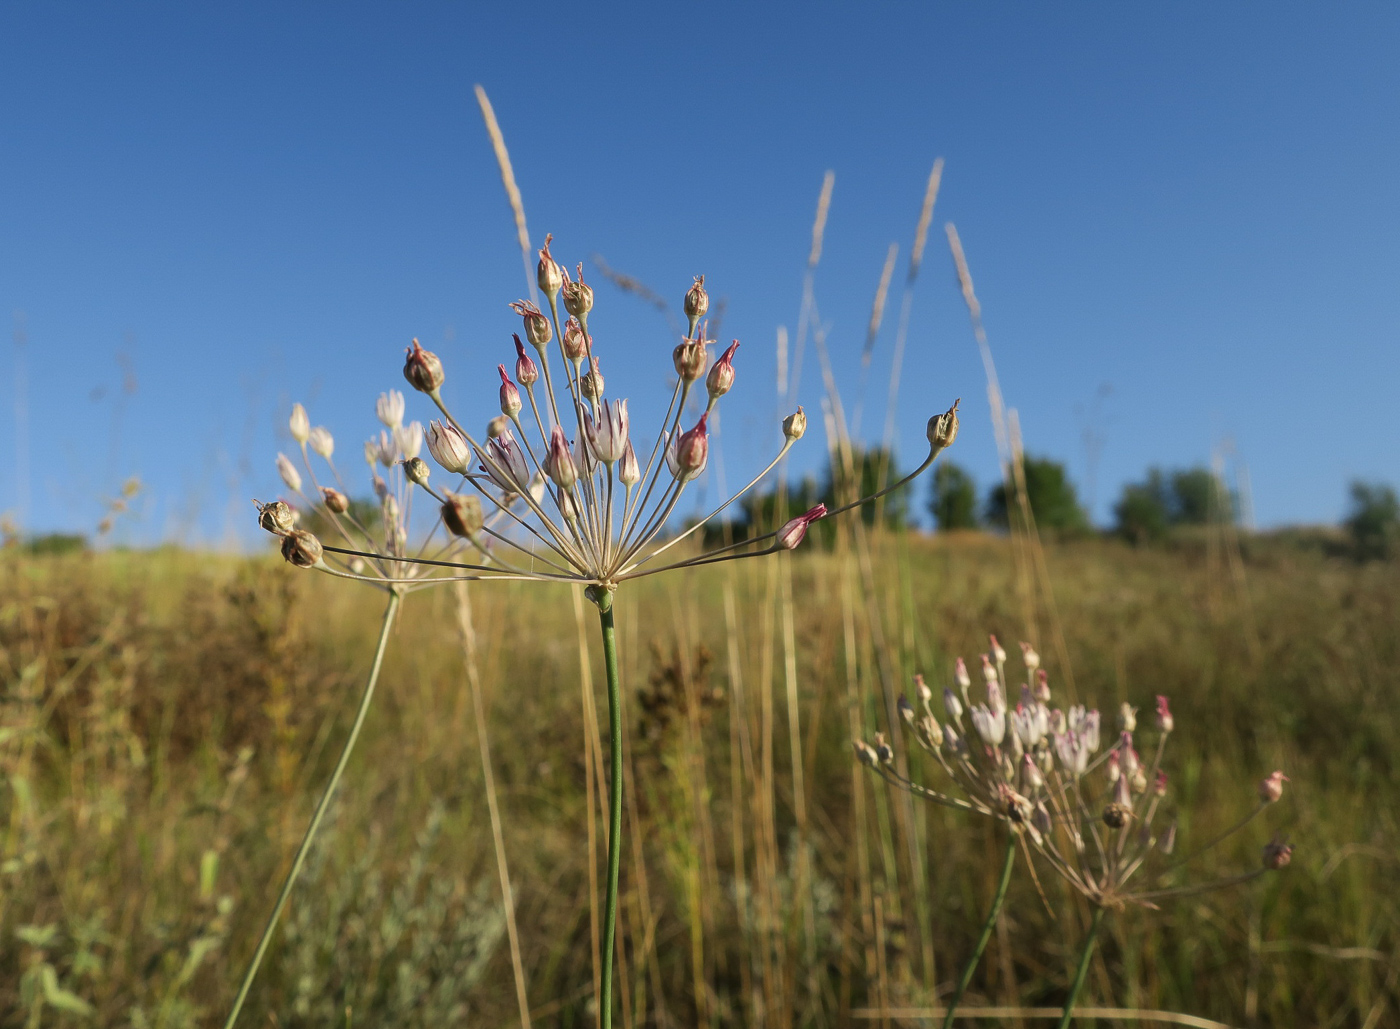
<point x="986" y="931"/>
<point x="1080" y="975"/>
<point x="605" y="613"/>
<point x="325" y="802"/>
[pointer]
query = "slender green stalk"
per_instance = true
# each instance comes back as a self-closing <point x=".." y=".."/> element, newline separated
<point x="325" y="802"/>
<point x="1080" y="975"/>
<point x="986" y="931"/>
<point x="603" y="598"/>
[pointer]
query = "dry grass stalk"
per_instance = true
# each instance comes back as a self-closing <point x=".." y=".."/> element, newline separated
<point x="517" y="206"/>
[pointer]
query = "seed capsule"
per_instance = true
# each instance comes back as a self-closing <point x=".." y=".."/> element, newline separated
<point x="276" y="517"/>
<point x="943" y="428"/>
<point x="548" y="274"/>
<point x="578" y="296"/>
<point x="462" y="514"/>
<point x="697" y="302"/>
<point x="302" y="549"/>
<point x="422" y="369"/>
<point x="334" y="500"/>
<point x="417" y="470"/>
<point x="537" y="328"/>
<point x="525" y="371"/>
<point x="689" y="359"/>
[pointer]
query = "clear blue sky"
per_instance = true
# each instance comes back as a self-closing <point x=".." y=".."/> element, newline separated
<point x="1186" y="211"/>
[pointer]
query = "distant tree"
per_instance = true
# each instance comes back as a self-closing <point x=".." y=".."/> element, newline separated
<point x="953" y="498"/>
<point x="1187" y="496"/>
<point x="56" y="544"/>
<point x="1052" y="497"/>
<point x="1374" y="521"/>
<point x="1143" y="513"/>
<point x="873" y="469"/>
<point x="1197" y="497"/>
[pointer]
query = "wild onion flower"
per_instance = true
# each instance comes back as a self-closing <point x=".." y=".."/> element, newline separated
<point x="556" y="490"/>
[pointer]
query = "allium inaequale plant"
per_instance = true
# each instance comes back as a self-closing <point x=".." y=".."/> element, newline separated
<point x="582" y="510"/>
<point x="1093" y="816"/>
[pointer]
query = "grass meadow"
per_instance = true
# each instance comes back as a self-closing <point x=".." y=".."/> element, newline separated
<point x="167" y="719"/>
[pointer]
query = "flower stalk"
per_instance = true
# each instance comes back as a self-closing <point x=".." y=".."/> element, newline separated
<point x="986" y="934"/>
<point x="1083" y="971"/>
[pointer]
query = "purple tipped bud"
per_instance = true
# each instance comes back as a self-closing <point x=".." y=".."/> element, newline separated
<point x="721" y="377"/>
<point x="510" y="396"/>
<point x="687" y="454"/>
<point x="548" y="274"/>
<point x="335" y="500"/>
<point x="1165" y="722"/>
<point x="302" y="549"/>
<point x="629" y="472"/>
<point x="960" y="675"/>
<point x="559" y="461"/>
<point x="795" y="425"/>
<point x="449" y="448"/>
<point x="537" y="328"/>
<point x="1271" y="787"/>
<point x="1277" y="853"/>
<point x="276" y="517"/>
<point x="989" y="670"/>
<point x="525" y="371"/>
<point x="795" y="531"/>
<point x="925" y="694"/>
<point x="422" y="369"/>
<point x="906" y="709"/>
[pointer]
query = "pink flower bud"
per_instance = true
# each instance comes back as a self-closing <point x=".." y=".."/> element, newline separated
<point x="688" y="453"/>
<point x="1029" y="656"/>
<point x="997" y="652"/>
<point x="925" y="693"/>
<point x="1271" y="787"/>
<point x="510" y="396"/>
<point x="793" y="533"/>
<point x="574" y="343"/>
<point x="629" y="472"/>
<point x="1160" y="786"/>
<point x="537" y="328"/>
<point x="449" y="448"/>
<point x="559" y="462"/>
<point x="525" y="371"/>
<point x="1165" y="722"/>
<point x="1042" y="686"/>
<point x="989" y="670"/>
<point x="721" y="377"/>
<point x="422" y="369"/>
<point x="960" y="674"/>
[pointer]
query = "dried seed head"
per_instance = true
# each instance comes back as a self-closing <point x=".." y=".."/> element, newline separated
<point x="496" y="426"/>
<point x="1277" y="853"/>
<point x="422" y="369"/>
<point x="906" y="709"/>
<point x="548" y="274"/>
<point x="795" y="425"/>
<point x="1165" y="722"/>
<point x="689" y="359"/>
<point x="591" y="384"/>
<point x="1029" y="656"/>
<point x="525" y="371"/>
<point x="1115" y="816"/>
<point x="795" y="531"/>
<point x="576" y="342"/>
<point x="883" y="750"/>
<point x="389" y="409"/>
<point x="510" y="396"/>
<point x="334" y="500"/>
<point x="865" y="754"/>
<point x="299" y="424"/>
<point x="289" y="472"/>
<point x="1271" y="787"/>
<point x="321" y="441"/>
<point x="721" y="377"/>
<point x="578" y="296"/>
<point x="417" y="470"/>
<point x="697" y="302"/>
<point x="537" y="328"/>
<point x="629" y="472"/>
<point x="943" y="428"/>
<point x="301" y="548"/>
<point x="462" y="514"/>
<point x="276" y="517"/>
<point x="449" y="448"/>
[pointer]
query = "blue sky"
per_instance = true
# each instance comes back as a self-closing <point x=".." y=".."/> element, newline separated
<point x="1182" y="222"/>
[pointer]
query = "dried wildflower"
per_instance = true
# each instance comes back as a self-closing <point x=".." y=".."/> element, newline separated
<point x="548" y="275"/>
<point x="689" y="359"/>
<point x="334" y="500"/>
<point x="697" y="303"/>
<point x="276" y="517"/>
<point x="537" y="328"/>
<point x="795" y="425"/>
<point x="422" y="369"/>
<point x="577" y="297"/>
<point x="302" y="549"/>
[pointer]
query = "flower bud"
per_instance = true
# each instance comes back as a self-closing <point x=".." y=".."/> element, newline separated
<point x="462" y="514"/>
<point x="793" y="533"/>
<point x="381" y="488"/>
<point x="576" y="342"/>
<point x="864" y="754"/>
<point x="693" y="451"/>
<point x="537" y="328"/>
<point x="1029" y="656"/>
<point x="1040" y="818"/>
<point x="689" y="359"/>
<point x="629" y="472"/>
<point x="299" y="424"/>
<point x="607" y="436"/>
<point x="1127" y="717"/>
<point x="408" y="441"/>
<point x="389" y="409"/>
<point x="510" y="396"/>
<point x="525" y="371"/>
<point x="721" y="377"/>
<point x="1031" y="777"/>
<point x="1165" y="722"/>
<point x="559" y="462"/>
<point x="998" y="654"/>
<point x="906" y="709"/>
<point x="1042" y="686"/>
<point x="591" y="385"/>
<point x="334" y="500"/>
<point x="697" y="302"/>
<point x="548" y="274"/>
<point x="960" y="675"/>
<point x="578" y="296"/>
<point x="952" y="704"/>
<point x="449" y="448"/>
<point x="943" y="428"/>
<point x="883" y="751"/>
<point x="321" y="441"/>
<point x="1159" y="787"/>
<point x="422" y="369"/>
<point x="1277" y="853"/>
<point x="276" y="517"/>
<point x="289" y="472"/>
<point x="989" y="670"/>
<point x="496" y="426"/>
<point x="925" y="693"/>
<point x="795" y="425"/>
<point x="301" y="548"/>
<point x="417" y="470"/>
<point x="1271" y="787"/>
<point x="933" y="732"/>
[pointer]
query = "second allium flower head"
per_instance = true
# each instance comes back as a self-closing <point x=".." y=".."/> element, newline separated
<point x="577" y="501"/>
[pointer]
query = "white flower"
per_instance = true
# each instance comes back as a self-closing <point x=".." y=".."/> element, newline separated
<point x="507" y="463"/>
<point x="608" y="436"/>
<point x="389" y="408"/>
<point x="321" y="441"/>
<point x="449" y="448"/>
<point x="299" y="424"/>
<point x="409" y="440"/>
<point x="990" y="724"/>
<point x="289" y="472"/>
<point x="385" y="449"/>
